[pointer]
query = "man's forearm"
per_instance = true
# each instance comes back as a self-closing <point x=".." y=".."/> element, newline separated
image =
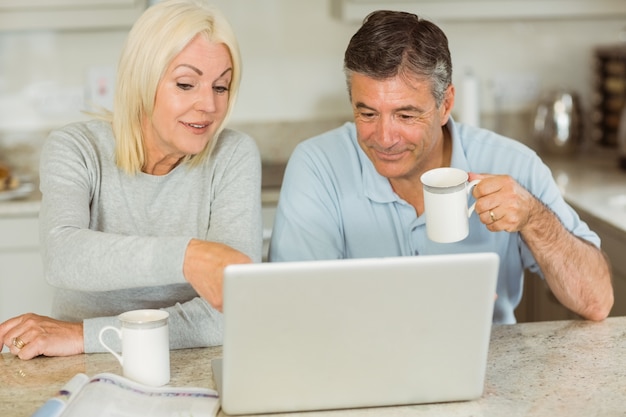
<point x="576" y="271"/>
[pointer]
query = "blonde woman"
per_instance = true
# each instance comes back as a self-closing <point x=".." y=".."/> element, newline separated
<point x="144" y="207"/>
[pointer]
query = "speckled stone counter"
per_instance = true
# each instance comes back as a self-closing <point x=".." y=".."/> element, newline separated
<point x="560" y="368"/>
<point x="27" y="206"/>
<point x="592" y="181"/>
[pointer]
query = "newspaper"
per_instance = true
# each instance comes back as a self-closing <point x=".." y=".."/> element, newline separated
<point x="110" y="395"/>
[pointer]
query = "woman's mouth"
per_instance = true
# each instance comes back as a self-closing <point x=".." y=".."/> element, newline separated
<point x="197" y="125"/>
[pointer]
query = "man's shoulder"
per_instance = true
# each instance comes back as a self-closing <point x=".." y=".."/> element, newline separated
<point x="487" y="147"/>
<point x="334" y="157"/>
<point x="489" y="152"/>
<point x="332" y="143"/>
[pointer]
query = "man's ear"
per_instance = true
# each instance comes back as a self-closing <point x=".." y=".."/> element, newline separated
<point x="446" y="106"/>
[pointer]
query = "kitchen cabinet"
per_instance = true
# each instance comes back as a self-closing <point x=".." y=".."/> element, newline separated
<point x="461" y="10"/>
<point x="538" y="303"/>
<point x="22" y="285"/>
<point x="267" y="212"/>
<point x="68" y="14"/>
<point x="614" y="244"/>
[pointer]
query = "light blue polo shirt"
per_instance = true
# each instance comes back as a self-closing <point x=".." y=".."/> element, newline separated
<point x="333" y="204"/>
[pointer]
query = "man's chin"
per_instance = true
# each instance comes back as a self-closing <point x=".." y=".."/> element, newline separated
<point x="390" y="170"/>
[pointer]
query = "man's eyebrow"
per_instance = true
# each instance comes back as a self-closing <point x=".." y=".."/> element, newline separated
<point x="361" y="105"/>
<point x="409" y="108"/>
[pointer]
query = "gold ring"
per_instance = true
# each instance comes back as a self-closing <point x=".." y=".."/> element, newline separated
<point x="493" y="216"/>
<point x="18" y="343"/>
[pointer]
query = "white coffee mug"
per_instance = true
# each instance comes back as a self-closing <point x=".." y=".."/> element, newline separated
<point x="145" y="356"/>
<point x="446" y="193"/>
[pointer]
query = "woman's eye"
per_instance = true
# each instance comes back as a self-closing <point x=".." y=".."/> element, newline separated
<point x="220" y="89"/>
<point x="184" y="86"/>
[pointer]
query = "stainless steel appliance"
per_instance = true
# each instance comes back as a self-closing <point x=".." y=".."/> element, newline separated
<point x="558" y="122"/>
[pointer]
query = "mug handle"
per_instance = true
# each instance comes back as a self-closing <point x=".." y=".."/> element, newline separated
<point x="119" y="334"/>
<point x="468" y="190"/>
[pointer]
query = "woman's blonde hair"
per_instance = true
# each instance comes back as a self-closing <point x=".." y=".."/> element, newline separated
<point x="160" y="34"/>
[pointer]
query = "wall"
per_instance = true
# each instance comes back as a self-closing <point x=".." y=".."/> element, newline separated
<point x="294" y="65"/>
<point x="292" y="54"/>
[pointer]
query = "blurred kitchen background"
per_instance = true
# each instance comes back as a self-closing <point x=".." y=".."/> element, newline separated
<point x="58" y="58"/>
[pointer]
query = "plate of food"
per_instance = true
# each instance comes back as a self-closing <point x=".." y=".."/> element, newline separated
<point x="12" y="187"/>
<point x="22" y="191"/>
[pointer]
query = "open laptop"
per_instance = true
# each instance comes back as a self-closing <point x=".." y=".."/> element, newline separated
<point x="353" y="333"/>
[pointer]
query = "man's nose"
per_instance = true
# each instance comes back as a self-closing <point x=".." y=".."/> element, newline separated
<point x="384" y="131"/>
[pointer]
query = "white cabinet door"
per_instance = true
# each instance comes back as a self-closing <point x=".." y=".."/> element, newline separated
<point x="23" y="288"/>
<point x="22" y="285"/>
<point x="69" y="14"/>
<point x="474" y="10"/>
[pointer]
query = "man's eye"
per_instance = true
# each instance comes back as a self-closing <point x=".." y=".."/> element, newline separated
<point x="184" y="86"/>
<point x="406" y="117"/>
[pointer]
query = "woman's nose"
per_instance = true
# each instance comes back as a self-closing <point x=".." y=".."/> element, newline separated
<point x="205" y="101"/>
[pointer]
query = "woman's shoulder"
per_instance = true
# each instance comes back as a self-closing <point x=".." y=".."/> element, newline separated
<point x="234" y="136"/>
<point x="89" y="140"/>
<point x="232" y="140"/>
<point x="96" y="134"/>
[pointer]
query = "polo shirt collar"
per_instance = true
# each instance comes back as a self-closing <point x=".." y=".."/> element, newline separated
<point x="375" y="187"/>
<point x="458" y="159"/>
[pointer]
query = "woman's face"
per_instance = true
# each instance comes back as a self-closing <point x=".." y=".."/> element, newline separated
<point x="191" y="102"/>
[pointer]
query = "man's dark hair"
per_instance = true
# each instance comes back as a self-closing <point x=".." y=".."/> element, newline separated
<point x="391" y="43"/>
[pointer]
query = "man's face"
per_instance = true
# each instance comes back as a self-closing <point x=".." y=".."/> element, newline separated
<point x="399" y="125"/>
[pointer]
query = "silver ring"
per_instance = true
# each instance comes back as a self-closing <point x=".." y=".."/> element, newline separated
<point x="493" y="216"/>
<point x="18" y="343"/>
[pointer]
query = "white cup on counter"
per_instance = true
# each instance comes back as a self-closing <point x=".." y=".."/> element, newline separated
<point x="446" y="194"/>
<point x="145" y="356"/>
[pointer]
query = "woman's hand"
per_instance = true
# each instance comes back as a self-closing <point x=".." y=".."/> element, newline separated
<point x="204" y="268"/>
<point x="31" y="335"/>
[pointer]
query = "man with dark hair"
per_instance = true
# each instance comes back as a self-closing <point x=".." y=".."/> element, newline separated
<point x="355" y="192"/>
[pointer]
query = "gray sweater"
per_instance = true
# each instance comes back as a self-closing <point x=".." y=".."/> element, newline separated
<point x="113" y="242"/>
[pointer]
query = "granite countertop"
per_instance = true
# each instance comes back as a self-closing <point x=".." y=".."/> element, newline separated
<point x="590" y="180"/>
<point x="26" y="206"/>
<point x="30" y="204"/>
<point x="559" y="368"/>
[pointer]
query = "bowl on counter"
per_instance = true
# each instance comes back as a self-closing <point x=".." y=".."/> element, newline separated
<point x="25" y="189"/>
<point x="558" y="123"/>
